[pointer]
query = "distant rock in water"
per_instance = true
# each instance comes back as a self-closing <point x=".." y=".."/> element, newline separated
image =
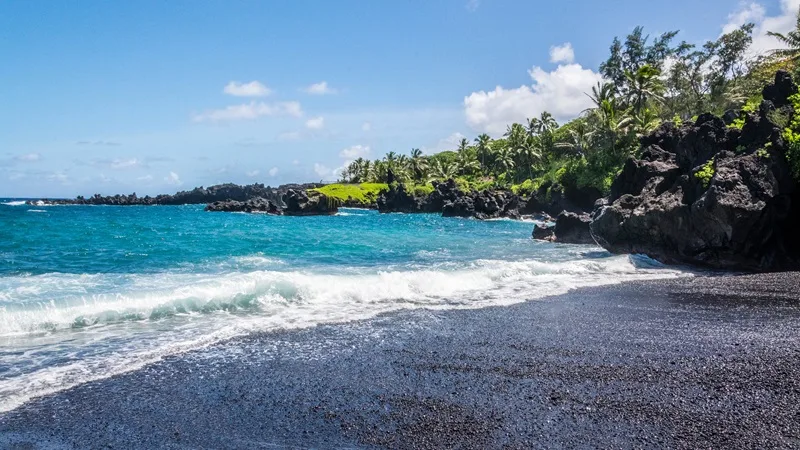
<point x="252" y="205"/>
<point x="544" y="232"/>
<point x="710" y="194"/>
<point x="198" y="195"/>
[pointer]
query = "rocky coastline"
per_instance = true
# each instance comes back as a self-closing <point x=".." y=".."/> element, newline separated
<point x="706" y="193"/>
<point x="710" y="194"/>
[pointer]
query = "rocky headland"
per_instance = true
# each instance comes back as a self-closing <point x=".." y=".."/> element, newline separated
<point x="711" y="194"/>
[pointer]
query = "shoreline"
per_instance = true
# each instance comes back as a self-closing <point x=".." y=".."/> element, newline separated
<point x="701" y="361"/>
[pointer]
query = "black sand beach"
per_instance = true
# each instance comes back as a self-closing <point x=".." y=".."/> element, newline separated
<point x="708" y="362"/>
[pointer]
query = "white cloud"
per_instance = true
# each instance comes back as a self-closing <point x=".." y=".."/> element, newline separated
<point x="315" y="123"/>
<point x="58" y="176"/>
<point x="146" y="178"/>
<point x="756" y="13"/>
<point x="253" y="173"/>
<point x="560" y="92"/>
<point x="249" y="111"/>
<point x="320" y="88"/>
<point x="366" y="126"/>
<point x="355" y="151"/>
<point x="173" y="179"/>
<point x="29" y="157"/>
<point x="322" y="170"/>
<point x="272" y="172"/>
<point x="125" y="163"/>
<point x="251" y="89"/>
<point x="296" y="162"/>
<point x="472" y="5"/>
<point x="563" y="53"/>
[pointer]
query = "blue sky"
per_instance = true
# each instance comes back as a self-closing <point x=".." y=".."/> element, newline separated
<point x="154" y="97"/>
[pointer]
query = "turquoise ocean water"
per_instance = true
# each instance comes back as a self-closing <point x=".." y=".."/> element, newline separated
<point x="87" y="292"/>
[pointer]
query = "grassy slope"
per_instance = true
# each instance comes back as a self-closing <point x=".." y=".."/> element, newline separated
<point x="366" y="193"/>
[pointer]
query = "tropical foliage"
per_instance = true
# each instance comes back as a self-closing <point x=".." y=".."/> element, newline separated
<point x="647" y="82"/>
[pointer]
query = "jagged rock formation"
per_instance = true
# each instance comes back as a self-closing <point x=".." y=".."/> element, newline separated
<point x="198" y="195"/>
<point x="450" y="201"/>
<point x="709" y="194"/>
<point x="297" y="203"/>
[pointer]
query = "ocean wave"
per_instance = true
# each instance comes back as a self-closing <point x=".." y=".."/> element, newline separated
<point x="74" y="301"/>
<point x="37" y="211"/>
<point x="152" y="316"/>
<point x="14" y="203"/>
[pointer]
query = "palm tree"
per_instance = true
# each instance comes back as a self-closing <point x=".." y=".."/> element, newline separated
<point x="504" y="162"/>
<point x="580" y="139"/>
<point x="612" y="121"/>
<point x="791" y="40"/>
<point x="441" y="171"/>
<point x="642" y="85"/>
<point x="547" y="123"/>
<point x="601" y="92"/>
<point x="645" y="121"/>
<point x="418" y="164"/>
<point x="482" y="145"/>
<point x="530" y="153"/>
<point x="533" y="127"/>
<point x="463" y="145"/>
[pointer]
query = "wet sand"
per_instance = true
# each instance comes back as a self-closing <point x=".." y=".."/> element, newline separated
<point x="693" y="363"/>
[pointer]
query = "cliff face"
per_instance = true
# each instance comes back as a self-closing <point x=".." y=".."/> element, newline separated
<point x="709" y="194"/>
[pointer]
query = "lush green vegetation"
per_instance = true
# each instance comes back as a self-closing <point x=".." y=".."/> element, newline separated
<point x="647" y="82"/>
<point x="366" y="193"/>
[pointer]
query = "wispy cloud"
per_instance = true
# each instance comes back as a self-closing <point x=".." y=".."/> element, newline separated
<point x="272" y="172"/>
<point x="28" y="157"/>
<point x="756" y="13"/>
<point x="250" y="111"/>
<point x="99" y="142"/>
<point x="320" y="88"/>
<point x="472" y="5"/>
<point x="251" y="89"/>
<point x="173" y="179"/>
<point x="315" y="123"/>
<point x="355" y="151"/>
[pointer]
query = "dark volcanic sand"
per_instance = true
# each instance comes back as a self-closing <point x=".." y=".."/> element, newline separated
<point x="704" y="362"/>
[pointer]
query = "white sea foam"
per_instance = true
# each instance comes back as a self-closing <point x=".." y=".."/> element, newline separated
<point x="37" y="211"/>
<point x="212" y="307"/>
<point x="14" y="203"/>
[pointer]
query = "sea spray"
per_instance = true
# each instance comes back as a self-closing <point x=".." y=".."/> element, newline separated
<point x="89" y="292"/>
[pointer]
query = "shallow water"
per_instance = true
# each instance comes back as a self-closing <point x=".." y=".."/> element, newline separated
<point x="90" y="291"/>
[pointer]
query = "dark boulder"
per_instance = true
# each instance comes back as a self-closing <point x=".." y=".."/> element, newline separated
<point x="398" y="199"/>
<point x="253" y="205"/>
<point x="300" y="203"/>
<point x="573" y="228"/>
<point x="462" y="207"/>
<point x="710" y="195"/>
<point x="544" y="232"/>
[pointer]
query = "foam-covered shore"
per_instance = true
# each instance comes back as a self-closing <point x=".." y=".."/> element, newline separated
<point x="688" y="362"/>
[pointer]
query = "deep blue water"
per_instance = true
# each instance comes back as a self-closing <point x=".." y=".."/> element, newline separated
<point x="90" y="291"/>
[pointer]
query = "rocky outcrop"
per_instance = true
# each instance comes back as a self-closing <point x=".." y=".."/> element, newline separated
<point x="300" y="203"/>
<point x="198" y="195"/>
<point x="544" y="232"/>
<point x="572" y="228"/>
<point x="297" y="203"/>
<point x="709" y="194"/>
<point x="450" y="201"/>
<point x="253" y="205"/>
